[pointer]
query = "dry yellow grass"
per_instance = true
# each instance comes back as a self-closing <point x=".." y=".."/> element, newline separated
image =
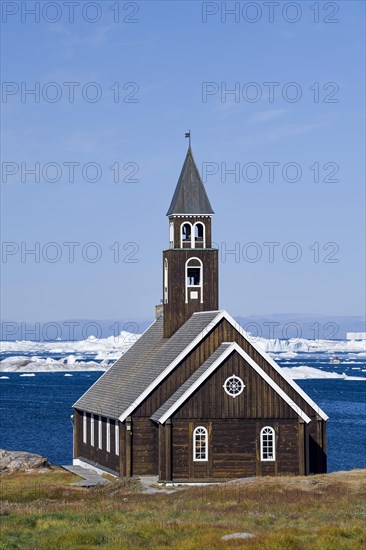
<point x="42" y="511"/>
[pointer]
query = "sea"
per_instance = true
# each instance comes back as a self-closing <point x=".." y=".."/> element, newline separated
<point x="36" y="406"/>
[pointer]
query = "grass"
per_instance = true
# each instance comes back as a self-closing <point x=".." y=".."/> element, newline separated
<point x="42" y="511"/>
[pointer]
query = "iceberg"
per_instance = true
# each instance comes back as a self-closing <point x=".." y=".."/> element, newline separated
<point x="93" y="354"/>
<point x="305" y="372"/>
<point x="21" y="363"/>
<point x="303" y="345"/>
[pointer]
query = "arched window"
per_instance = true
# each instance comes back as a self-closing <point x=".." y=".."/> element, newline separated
<point x="194" y="279"/>
<point x="199" y="234"/>
<point x="200" y="444"/>
<point x="165" y="281"/>
<point x="186" y="234"/>
<point x="171" y="235"/>
<point x="268" y="443"/>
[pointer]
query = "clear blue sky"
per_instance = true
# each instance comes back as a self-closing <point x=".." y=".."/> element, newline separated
<point x="169" y="52"/>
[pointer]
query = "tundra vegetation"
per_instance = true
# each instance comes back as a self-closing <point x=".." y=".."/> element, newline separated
<point x="41" y="510"/>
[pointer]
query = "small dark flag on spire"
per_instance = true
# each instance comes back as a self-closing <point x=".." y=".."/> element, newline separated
<point x="188" y="135"/>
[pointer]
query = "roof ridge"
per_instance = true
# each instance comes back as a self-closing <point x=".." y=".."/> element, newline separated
<point x="210" y="311"/>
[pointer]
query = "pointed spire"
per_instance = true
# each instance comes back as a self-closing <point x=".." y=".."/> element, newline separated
<point x="190" y="196"/>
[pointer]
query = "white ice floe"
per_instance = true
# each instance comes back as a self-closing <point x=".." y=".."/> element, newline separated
<point x="287" y="355"/>
<point x="22" y="363"/>
<point x="305" y="372"/>
<point x="28" y="374"/>
<point x="103" y="348"/>
<point x="303" y="345"/>
<point x="98" y="354"/>
<point x="4" y="377"/>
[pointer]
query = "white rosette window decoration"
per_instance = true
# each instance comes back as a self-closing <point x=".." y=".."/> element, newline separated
<point x="234" y="386"/>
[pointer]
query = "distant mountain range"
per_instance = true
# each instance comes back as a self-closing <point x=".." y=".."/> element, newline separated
<point x="282" y="326"/>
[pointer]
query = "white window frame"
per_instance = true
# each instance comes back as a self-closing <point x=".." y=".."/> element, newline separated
<point x="100" y="433"/>
<point x="108" y="438"/>
<point x="200" y="286"/>
<point x="171" y="235"/>
<point x="266" y="431"/>
<point x="85" y="420"/>
<point x="92" y="430"/>
<point x="194" y="234"/>
<point x="165" y="281"/>
<point x="203" y="431"/>
<point x="181" y="234"/>
<point x="116" y="437"/>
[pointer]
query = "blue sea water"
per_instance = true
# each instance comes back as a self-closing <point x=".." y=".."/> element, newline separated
<point x="35" y="414"/>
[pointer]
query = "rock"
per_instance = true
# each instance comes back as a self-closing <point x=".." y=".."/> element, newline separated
<point x="12" y="461"/>
<point x="238" y="536"/>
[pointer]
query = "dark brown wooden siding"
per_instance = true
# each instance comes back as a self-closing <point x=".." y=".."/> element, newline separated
<point x="176" y="311"/>
<point x="257" y="400"/>
<point x="234" y="449"/>
<point x="144" y="447"/>
<point x="90" y="452"/>
<point x="224" y="332"/>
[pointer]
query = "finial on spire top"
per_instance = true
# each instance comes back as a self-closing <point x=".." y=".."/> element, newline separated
<point x="188" y="135"/>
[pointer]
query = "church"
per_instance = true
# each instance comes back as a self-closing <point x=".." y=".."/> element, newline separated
<point x="195" y="399"/>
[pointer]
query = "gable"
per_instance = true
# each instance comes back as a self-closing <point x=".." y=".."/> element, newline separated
<point x="121" y="388"/>
<point x="203" y="394"/>
<point x="151" y="361"/>
<point x="220" y="330"/>
<point x="270" y="367"/>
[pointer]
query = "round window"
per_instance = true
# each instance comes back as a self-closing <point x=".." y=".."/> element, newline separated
<point x="234" y="385"/>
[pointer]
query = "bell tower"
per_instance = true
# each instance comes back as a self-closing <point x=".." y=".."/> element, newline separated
<point x="190" y="265"/>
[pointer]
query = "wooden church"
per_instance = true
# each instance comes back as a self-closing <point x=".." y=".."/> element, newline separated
<point x="194" y="399"/>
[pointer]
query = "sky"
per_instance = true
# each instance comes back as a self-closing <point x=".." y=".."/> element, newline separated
<point x="274" y="97"/>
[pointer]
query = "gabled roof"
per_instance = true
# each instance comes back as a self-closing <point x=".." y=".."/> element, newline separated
<point x="190" y="196"/>
<point x="205" y="370"/>
<point x="159" y="415"/>
<point x="150" y="360"/>
<point x="126" y="384"/>
<point x="276" y="367"/>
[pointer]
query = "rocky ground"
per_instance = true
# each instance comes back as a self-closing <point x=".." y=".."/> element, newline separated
<point x="14" y="461"/>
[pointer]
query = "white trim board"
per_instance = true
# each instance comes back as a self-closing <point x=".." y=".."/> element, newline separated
<point x="104" y="373"/>
<point x="168" y="369"/>
<point x="233" y="347"/>
<point x="210" y="326"/>
<point x="273" y="364"/>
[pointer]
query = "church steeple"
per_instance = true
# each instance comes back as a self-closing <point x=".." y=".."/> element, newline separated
<point x="190" y="196"/>
<point x="190" y="265"/>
